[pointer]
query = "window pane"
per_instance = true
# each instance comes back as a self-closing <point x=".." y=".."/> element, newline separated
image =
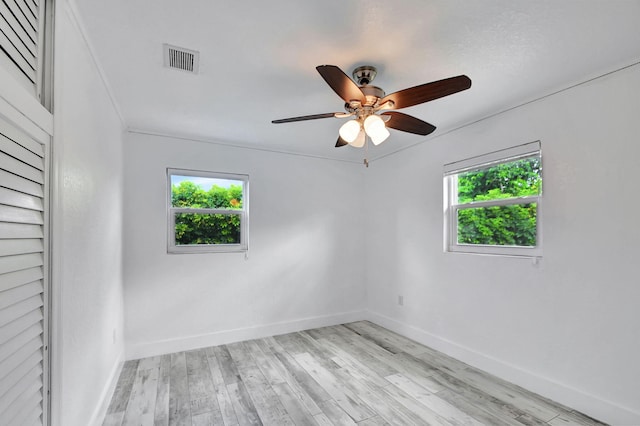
<point x="518" y="178"/>
<point x="205" y="193"/>
<point x="511" y="225"/>
<point x="197" y="229"/>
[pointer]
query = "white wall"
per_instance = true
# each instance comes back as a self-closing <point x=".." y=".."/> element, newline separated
<point x="87" y="233"/>
<point x="566" y="328"/>
<point x="305" y="263"/>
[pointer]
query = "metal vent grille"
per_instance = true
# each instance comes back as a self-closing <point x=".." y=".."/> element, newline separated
<point x="180" y="58"/>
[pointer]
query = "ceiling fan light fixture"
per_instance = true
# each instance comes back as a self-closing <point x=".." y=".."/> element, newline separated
<point x="360" y="140"/>
<point x="365" y="101"/>
<point x="376" y="129"/>
<point x="350" y="131"/>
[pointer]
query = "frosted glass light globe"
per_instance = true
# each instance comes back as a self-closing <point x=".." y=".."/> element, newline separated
<point x="375" y="128"/>
<point x="360" y="139"/>
<point x="350" y="130"/>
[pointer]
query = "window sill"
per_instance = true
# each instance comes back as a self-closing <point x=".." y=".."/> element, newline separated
<point x="518" y="252"/>
<point x="207" y="249"/>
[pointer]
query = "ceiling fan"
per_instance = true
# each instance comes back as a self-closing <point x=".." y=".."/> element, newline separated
<point x="364" y="102"/>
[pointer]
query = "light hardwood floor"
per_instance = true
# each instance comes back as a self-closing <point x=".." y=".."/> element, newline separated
<point x="357" y="373"/>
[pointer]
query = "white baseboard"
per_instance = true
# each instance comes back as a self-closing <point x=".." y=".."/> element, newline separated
<point x="146" y="349"/>
<point x="107" y="393"/>
<point x="591" y="405"/>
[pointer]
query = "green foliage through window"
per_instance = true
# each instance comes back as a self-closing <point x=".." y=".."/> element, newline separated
<point x="198" y="228"/>
<point x="507" y="224"/>
<point x="190" y="195"/>
<point x="512" y="225"/>
<point x="520" y="178"/>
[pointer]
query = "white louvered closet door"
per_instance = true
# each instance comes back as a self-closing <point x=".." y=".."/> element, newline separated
<point x="21" y="25"/>
<point x="21" y="41"/>
<point x="23" y="295"/>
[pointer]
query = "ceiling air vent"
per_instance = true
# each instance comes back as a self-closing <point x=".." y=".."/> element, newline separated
<point x="180" y="58"/>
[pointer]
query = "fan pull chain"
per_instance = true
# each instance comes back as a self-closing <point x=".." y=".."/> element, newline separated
<point x="366" y="153"/>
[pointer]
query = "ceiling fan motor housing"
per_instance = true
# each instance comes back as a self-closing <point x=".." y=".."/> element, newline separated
<point x="364" y="74"/>
<point x="373" y="94"/>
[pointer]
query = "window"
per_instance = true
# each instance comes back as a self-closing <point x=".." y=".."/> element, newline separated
<point x="208" y="212"/>
<point x="493" y="203"/>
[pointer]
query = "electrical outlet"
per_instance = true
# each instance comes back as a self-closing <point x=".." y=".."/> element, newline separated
<point x="400" y="300"/>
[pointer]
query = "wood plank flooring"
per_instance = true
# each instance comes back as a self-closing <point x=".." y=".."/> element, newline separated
<point x="357" y="373"/>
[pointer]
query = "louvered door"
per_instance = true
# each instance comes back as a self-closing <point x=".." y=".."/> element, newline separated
<point x="21" y="32"/>
<point x="23" y="296"/>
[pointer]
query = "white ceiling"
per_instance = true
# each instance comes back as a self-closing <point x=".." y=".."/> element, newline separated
<point x="258" y="59"/>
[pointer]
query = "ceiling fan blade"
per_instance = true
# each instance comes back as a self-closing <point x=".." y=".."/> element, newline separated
<point x="346" y="88"/>
<point x="306" y="117"/>
<point x="428" y="92"/>
<point x="341" y="142"/>
<point x="407" y="123"/>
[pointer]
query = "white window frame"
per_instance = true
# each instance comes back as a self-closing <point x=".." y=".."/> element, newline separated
<point x="243" y="246"/>
<point x="451" y="205"/>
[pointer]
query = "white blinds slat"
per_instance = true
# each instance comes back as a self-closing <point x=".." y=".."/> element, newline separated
<point x="21" y="38"/>
<point x="11" y="369"/>
<point x="18" y="294"/>
<point x="21" y="339"/>
<point x="10" y="68"/>
<point x="17" y="246"/>
<point x="9" y="180"/>
<point x="14" y="279"/>
<point x="28" y="14"/>
<point x="9" y="197"/>
<point x="16" y="167"/>
<point x="15" y="58"/>
<point x="20" y="262"/>
<point x="19" y="215"/>
<point x="17" y="35"/>
<point x="25" y="23"/>
<point x="21" y="138"/>
<point x="28" y="412"/>
<point x="20" y="230"/>
<point x="18" y="310"/>
<point x="21" y="153"/>
<point x="33" y="5"/>
<point x="20" y="324"/>
<point x="30" y="384"/>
